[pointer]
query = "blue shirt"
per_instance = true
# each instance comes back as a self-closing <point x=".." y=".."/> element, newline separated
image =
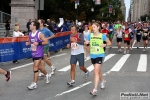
<point x="97" y="55"/>
<point x="47" y="33"/>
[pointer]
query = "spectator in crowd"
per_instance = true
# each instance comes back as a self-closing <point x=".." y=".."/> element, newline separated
<point x="7" y="27"/>
<point x="48" y="22"/>
<point x="17" y="33"/>
<point x="28" y="25"/>
<point x="36" y="19"/>
<point x="68" y="23"/>
<point x="64" y="28"/>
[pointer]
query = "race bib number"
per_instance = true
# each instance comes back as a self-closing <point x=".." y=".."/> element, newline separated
<point x="33" y="47"/>
<point x="145" y="34"/>
<point x="138" y="33"/>
<point x="126" y="35"/>
<point x="74" y="46"/>
<point x="145" y="29"/>
<point x="111" y="29"/>
<point x="95" y="49"/>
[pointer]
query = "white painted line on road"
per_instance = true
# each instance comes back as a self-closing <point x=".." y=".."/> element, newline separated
<point x="108" y="57"/>
<point x="59" y="55"/>
<point x="21" y="66"/>
<point x="123" y="47"/>
<point x="82" y="85"/>
<point x="142" y="66"/>
<point x="120" y="63"/>
<point x="68" y="67"/>
<point x="90" y="68"/>
<point x="76" y="88"/>
<point x="32" y="62"/>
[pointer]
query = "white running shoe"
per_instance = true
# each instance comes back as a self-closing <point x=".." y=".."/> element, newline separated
<point x="120" y="50"/>
<point x="86" y="75"/>
<point x="53" y="70"/>
<point x="41" y="74"/>
<point x="32" y="86"/>
<point x="47" y="77"/>
<point x="71" y="83"/>
<point x="93" y="92"/>
<point x="103" y="84"/>
<point x="143" y="50"/>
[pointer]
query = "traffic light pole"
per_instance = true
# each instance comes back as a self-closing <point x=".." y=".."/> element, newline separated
<point x="77" y="15"/>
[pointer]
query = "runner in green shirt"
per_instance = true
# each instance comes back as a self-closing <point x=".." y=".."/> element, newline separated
<point x="117" y="25"/>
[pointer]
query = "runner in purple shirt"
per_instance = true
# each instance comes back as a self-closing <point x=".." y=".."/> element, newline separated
<point x="37" y="40"/>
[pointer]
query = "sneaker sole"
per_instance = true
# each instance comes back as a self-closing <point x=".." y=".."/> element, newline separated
<point x="103" y="88"/>
<point x="31" y="89"/>
<point x="70" y="84"/>
<point x="93" y="94"/>
<point x="47" y="82"/>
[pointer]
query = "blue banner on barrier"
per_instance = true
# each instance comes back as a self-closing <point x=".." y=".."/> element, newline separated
<point x="18" y="50"/>
<point x="59" y="42"/>
<point x="14" y="51"/>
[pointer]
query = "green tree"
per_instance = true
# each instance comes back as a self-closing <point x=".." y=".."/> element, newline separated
<point x="54" y="9"/>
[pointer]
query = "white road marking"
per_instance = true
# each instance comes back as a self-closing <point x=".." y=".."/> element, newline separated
<point x="76" y="88"/>
<point x="32" y="62"/>
<point x="68" y="67"/>
<point x="142" y="66"/>
<point x="21" y="66"/>
<point x="120" y="63"/>
<point x="115" y="47"/>
<point x="90" y="68"/>
<point x="58" y="55"/>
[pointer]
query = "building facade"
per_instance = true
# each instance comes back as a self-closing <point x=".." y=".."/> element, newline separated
<point x="140" y="8"/>
<point x="23" y="10"/>
<point x="123" y="8"/>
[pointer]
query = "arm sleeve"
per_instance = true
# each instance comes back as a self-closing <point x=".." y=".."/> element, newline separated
<point x="81" y="39"/>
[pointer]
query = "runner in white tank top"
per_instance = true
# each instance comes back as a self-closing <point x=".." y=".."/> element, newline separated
<point x="86" y="32"/>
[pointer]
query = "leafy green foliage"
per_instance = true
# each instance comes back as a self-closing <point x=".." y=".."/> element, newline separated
<point x="55" y="9"/>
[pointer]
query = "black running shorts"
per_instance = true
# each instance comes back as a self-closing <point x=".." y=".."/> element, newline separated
<point x="98" y="60"/>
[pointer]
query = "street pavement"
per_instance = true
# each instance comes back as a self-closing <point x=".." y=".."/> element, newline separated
<point x="123" y="73"/>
